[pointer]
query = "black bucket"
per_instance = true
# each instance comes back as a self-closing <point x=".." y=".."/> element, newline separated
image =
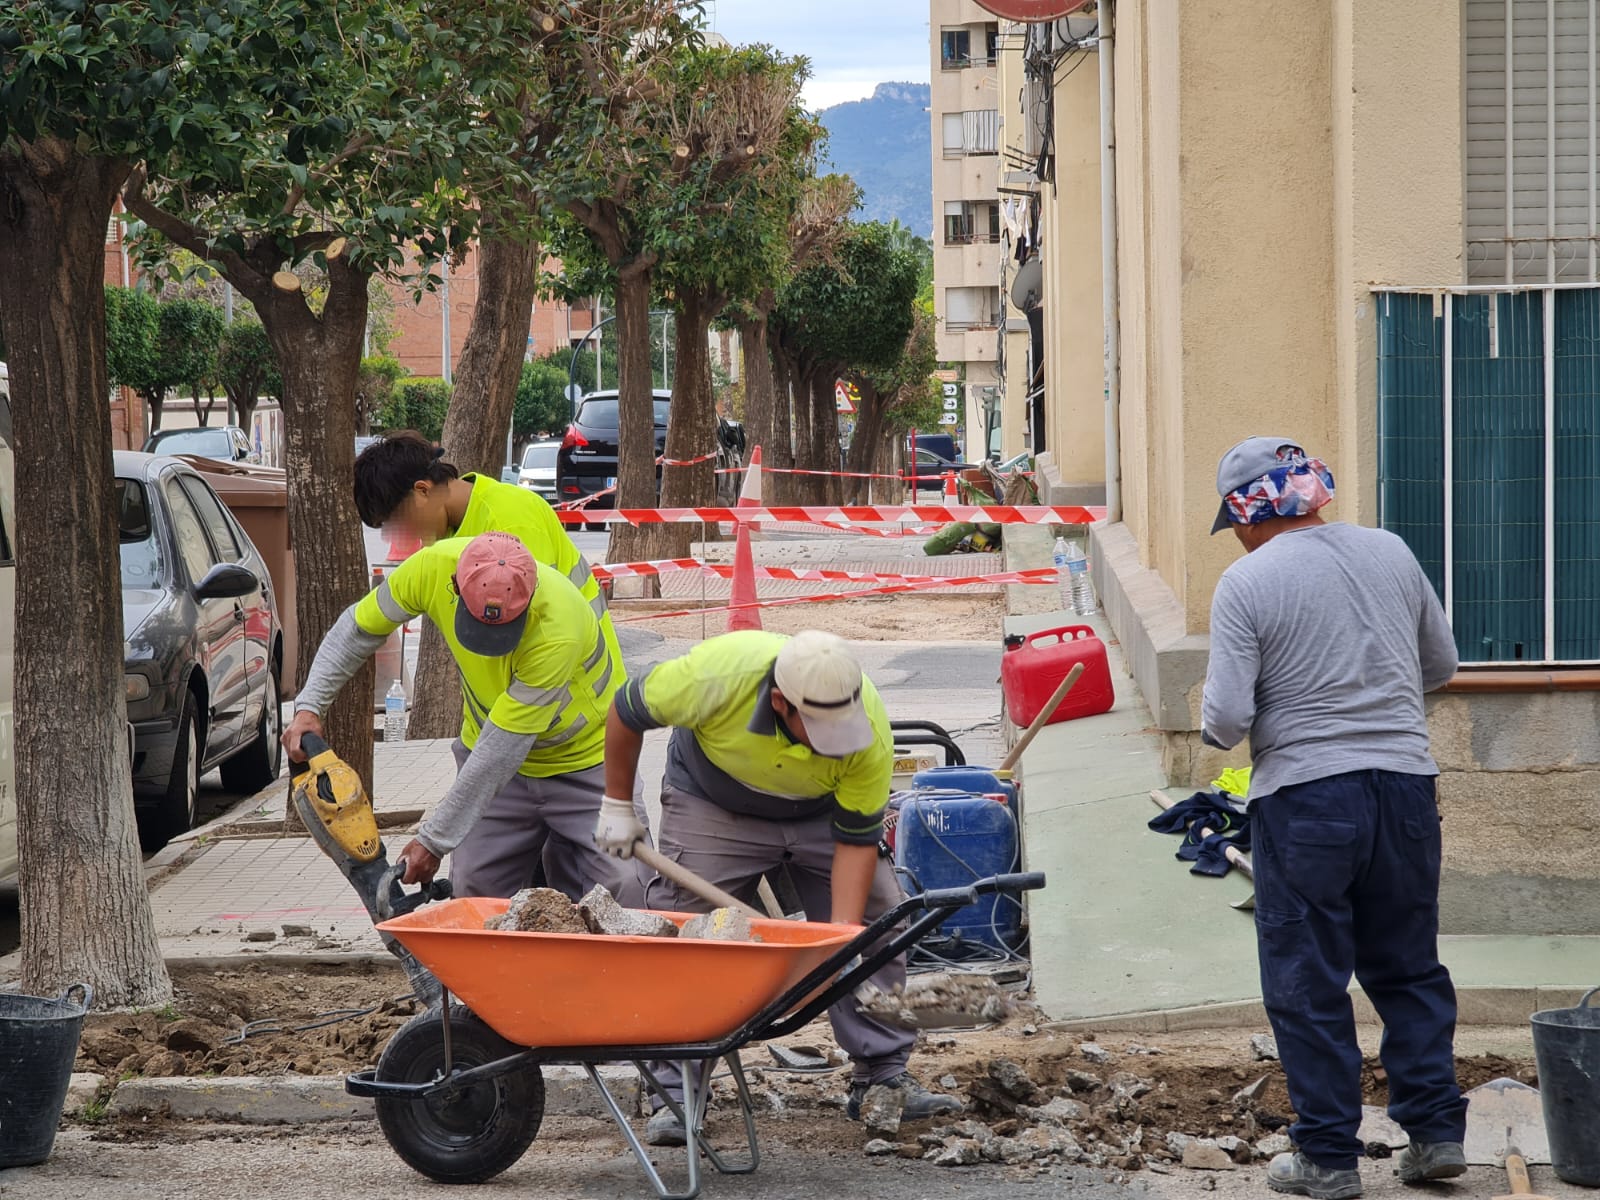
<point x="38" y="1043"/>
<point x="1566" y="1044"/>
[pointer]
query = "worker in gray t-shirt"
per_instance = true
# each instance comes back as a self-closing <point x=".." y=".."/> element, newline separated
<point x="1324" y="638"/>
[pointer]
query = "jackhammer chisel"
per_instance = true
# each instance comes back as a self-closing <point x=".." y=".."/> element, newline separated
<point x="337" y="812"/>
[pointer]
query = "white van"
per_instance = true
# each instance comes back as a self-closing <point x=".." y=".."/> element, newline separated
<point x="8" y="608"/>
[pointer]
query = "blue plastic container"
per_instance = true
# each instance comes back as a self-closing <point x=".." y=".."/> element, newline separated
<point x="978" y="781"/>
<point x="944" y="841"/>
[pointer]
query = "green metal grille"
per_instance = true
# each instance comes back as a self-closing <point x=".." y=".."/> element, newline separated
<point x="1411" y="427"/>
<point x="1577" y="506"/>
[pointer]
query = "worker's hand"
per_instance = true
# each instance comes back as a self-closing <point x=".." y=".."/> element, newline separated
<point x="420" y="863"/>
<point x="617" y="828"/>
<point x="305" y="721"/>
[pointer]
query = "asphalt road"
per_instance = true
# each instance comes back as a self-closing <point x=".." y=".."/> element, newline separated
<point x="577" y="1160"/>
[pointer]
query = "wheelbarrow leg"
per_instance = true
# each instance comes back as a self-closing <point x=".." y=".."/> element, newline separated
<point x="640" y="1153"/>
<point x="746" y="1110"/>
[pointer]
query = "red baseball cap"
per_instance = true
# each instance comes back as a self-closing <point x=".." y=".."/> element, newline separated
<point x="495" y="578"/>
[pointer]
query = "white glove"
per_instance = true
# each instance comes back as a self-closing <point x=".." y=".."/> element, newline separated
<point x="617" y="829"/>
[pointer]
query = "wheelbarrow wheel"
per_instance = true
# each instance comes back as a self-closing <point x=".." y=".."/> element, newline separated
<point x="466" y="1136"/>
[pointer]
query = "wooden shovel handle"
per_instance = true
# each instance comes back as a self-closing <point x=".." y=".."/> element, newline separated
<point x="685" y="878"/>
<point x="1517" y="1174"/>
<point x="1065" y="686"/>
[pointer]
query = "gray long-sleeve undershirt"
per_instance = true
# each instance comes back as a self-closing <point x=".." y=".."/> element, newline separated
<point x="493" y="761"/>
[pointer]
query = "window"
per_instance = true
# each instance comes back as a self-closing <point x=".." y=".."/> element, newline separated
<point x="955" y="48"/>
<point x="1489" y="463"/>
<point x="976" y="131"/>
<point x="141" y="561"/>
<point x="969" y="221"/>
<point x="1531" y="197"/>
<point x="955" y="138"/>
<point x="191" y="534"/>
<point x="215" y="520"/>
<point x="971" y="308"/>
<point x="991" y="44"/>
<point x="957" y="221"/>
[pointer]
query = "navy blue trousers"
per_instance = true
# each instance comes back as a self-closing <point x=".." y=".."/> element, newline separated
<point x="1347" y="882"/>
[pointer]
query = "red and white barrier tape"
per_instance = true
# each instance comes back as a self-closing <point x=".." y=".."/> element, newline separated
<point x="850" y="516"/>
<point x="891" y="589"/>
<point x="808" y="574"/>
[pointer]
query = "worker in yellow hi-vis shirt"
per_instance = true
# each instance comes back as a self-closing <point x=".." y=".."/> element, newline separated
<point x="781" y="755"/>
<point x="404" y="485"/>
<point x="537" y="679"/>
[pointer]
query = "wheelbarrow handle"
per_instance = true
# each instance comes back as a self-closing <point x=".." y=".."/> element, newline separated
<point x="876" y="944"/>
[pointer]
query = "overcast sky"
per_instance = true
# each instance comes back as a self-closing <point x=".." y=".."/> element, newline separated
<point x="853" y="45"/>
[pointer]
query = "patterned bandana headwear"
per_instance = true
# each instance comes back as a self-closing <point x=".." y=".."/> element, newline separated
<point x="1296" y="487"/>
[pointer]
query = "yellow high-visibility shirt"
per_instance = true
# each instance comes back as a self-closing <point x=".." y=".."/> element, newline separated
<point x="557" y="683"/>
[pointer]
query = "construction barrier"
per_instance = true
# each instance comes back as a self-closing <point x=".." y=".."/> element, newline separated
<point x="893" y="589"/>
<point x="849" y="516"/>
<point x="607" y="571"/>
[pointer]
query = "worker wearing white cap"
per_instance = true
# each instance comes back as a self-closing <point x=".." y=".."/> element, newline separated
<point x="781" y="755"/>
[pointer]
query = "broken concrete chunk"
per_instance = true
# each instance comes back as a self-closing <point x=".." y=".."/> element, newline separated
<point x="881" y="1108"/>
<point x="1178" y="1142"/>
<point x="1203" y="1156"/>
<point x="602" y="914"/>
<point x="298" y="931"/>
<point x="1058" y="1112"/>
<point x="1238" y="1149"/>
<point x="878" y="1148"/>
<point x="1264" y="1047"/>
<point x="1043" y="1141"/>
<point x="1126" y="1086"/>
<point x="1273" y="1143"/>
<point x="1094" y="1052"/>
<point x="720" y="925"/>
<point x="1011" y="1076"/>
<point x="261" y="935"/>
<point x="1246" y="1096"/>
<point x="1082" y="1081"/>
<point x="1377" y="1128"/>
<point x="539" y="910"/>
<point x="963" y="1152"/>
<point x="938" y="1000"/>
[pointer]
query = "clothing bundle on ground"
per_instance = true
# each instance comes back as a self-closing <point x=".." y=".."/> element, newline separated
<point x="1229" y="826"/>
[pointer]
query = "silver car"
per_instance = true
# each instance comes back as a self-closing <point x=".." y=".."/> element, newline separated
<point x="538" y="473"/>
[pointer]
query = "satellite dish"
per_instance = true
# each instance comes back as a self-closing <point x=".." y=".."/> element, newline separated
<point x="1028" y="287"/>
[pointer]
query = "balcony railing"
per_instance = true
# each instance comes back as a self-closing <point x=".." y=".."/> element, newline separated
<point x="978" y="323"/>
<point x="963" y="63"/>
<point x="971" y="239"/>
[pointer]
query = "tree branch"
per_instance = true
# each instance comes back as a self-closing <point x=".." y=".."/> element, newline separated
<point x="241" y="273"/>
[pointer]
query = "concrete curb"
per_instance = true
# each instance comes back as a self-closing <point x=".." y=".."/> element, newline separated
<point x="307" y="1099"/>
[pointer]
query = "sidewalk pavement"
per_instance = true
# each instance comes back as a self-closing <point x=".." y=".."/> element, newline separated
<point x="1124" y="931"/>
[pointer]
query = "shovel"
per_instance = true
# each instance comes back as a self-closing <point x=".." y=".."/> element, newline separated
<point x="1517" y="1175"/>
<point x="1503" y="1116"/>
<point x="1232" y="853"/>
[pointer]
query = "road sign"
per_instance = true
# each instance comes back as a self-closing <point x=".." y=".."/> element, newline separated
<point x="951" y="404"/>
<point x="845" y="396"/>
<point x="949" y="419"/>
<point x="952" y="389"/>
<point x="1033" y="10"/>
<point x="574" y="392"/>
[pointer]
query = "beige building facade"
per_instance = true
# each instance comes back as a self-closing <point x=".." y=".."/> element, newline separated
<point x="1378" y="238"/>
<point x="965" y="116"/>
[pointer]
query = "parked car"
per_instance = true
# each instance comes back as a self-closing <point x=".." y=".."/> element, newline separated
<point x="227" y="443"/>
<point x="586" y="462"/>
<point x="930" y="469"/>
<point x="940" y="444"/>
<point x="204" y="646"/>
<point x="538" y="470"/>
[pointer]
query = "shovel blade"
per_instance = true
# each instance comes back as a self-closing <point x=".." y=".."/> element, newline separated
<point x="1504" y="1113"/>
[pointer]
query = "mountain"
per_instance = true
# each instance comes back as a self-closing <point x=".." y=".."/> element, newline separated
<point x="884" y="144"/>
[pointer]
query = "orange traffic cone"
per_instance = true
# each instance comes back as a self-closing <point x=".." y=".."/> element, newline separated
<point x="402" y="545"/>
<point x="743" y="586"/>
<point x="950" y="495"/>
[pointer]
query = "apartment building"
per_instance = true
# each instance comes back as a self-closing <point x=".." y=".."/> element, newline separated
<point x="967" y="238"/>
<point x="1381" y="239"/>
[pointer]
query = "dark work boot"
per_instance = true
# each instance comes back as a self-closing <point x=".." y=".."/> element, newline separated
<point x="1297" y="1175"/>
<point x="920" y="1102"/>
<point x="1423" y="1162"/>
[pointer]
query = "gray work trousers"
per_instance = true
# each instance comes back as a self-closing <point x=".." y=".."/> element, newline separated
<point x="733" y="851"/>
<point x="549" y="823"/>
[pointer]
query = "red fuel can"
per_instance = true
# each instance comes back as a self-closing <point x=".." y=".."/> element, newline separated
<point x="1033" y="666"/>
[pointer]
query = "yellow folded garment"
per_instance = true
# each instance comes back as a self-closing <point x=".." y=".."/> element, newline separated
<point x="1235" y="781"/>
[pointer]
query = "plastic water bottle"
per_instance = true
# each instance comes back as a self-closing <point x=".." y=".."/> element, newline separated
<point x="1063" y="575"/>
<point x="1081" y="589"/>
<point x="394" y="713"/>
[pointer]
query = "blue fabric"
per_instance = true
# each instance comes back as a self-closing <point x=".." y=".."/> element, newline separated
<point x="1347" y="881"/>
<point x="1213" y="810"/>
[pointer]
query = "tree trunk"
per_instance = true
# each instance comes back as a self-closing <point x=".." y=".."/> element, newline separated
<point x="243" y="411"/>
<point x="864" y="443"/>
<point x="692" y="426"/>
<point x="781" y="454"/>
<point x="636" y="439"/>
<point x="475" y="434"/>
<point x="320" y="357"/>
<point x="825" y="435"/>
<point x="85" y="911"/>
<point x="154" y="404"/>
<point x="760" y="394"/>
<point x="203" y="415"/>
<point x="800" y="486"/>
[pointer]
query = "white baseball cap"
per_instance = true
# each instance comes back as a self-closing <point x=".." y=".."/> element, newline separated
<point x="819" y="676"/>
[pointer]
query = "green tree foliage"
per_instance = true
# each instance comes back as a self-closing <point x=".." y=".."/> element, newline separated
<point x="133" y="326"/>
<point x="542" y="405"/>
<point x="247" y="368"/>
<point x="375" y="389"/>
<point x="417" y="402"/>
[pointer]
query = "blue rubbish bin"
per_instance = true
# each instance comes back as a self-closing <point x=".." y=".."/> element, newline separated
<point x="38" y="1043"/>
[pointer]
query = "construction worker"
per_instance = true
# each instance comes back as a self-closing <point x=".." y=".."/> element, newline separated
<point x="537" y="680"/>
<point x="1324" y="638"/>
<point x="780" y="755"/>
<point x="403" y="485"/>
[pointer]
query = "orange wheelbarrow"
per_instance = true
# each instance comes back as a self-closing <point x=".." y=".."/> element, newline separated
<point x="459" y="1092"/>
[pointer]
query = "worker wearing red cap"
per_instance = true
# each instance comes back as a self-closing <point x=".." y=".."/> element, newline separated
<point x="537" y="677"/>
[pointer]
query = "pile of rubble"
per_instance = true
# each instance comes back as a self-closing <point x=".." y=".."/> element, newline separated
<point x="545" y="910"/>
<point x="1115" y="1120"/>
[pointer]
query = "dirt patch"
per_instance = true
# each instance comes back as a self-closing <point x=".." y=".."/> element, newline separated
<point x="198" y="1034"/>
<point x="901" y="618"/>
